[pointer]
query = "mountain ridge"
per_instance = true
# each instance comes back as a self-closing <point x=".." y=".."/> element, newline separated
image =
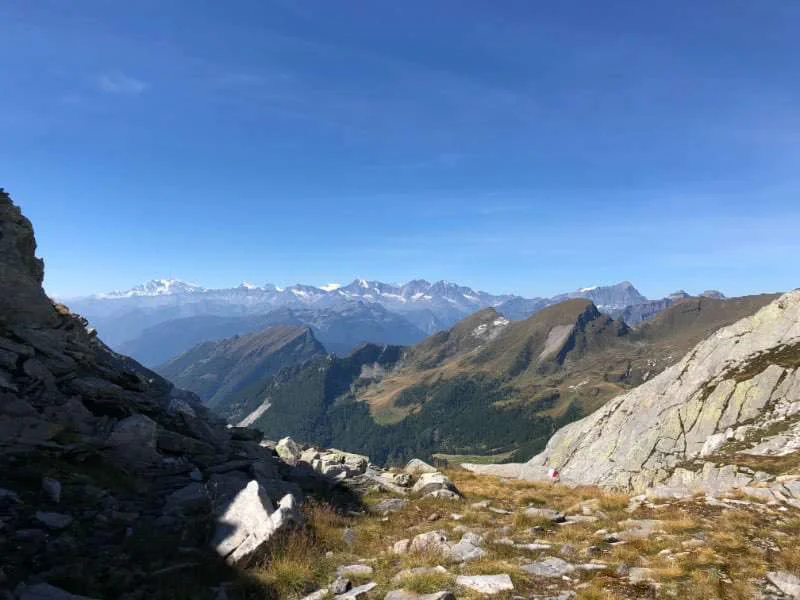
<point x="731" y="402"/>
<point x="339" y="331"/>
<point x="215" y="369"/>
<point x="441" y="395"/>
<point x="122" y="317"/>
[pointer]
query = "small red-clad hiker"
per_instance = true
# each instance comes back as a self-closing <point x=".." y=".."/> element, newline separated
<point x="554" y="475"/>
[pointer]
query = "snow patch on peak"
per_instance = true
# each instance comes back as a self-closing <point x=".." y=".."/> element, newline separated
<point x="248" y="286"/>
<point x="330" y="287"/>
<point x="588" y="289"/>
<point x="490" y="330"/>
<point x="156" y="287"/>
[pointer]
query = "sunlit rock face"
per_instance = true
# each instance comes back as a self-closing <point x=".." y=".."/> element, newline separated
<point x="745" y="375"/>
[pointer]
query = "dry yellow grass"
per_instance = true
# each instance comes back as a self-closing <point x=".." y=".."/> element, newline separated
<point x="726" y="550"/>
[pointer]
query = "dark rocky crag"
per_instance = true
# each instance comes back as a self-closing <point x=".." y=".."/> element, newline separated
<point x="114" y="483"/>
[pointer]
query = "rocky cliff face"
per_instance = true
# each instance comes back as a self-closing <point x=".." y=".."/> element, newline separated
<point x="22" y="300"/>
<point x="111" y="479"/>
<point x="735" y="395"/>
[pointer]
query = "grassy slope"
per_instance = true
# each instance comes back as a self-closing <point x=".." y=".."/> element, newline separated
<point x="601" y="359"/>
<point x="703" y="552"/>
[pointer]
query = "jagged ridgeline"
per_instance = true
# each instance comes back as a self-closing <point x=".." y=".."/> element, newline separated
<point x="488" y="386"/>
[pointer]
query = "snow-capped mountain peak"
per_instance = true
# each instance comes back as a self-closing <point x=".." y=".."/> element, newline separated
<point x="157" y="287"/>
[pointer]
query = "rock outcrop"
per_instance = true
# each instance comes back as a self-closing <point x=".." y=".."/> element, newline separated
<point x="735" y="393"/>
<point x="110" y="477"/>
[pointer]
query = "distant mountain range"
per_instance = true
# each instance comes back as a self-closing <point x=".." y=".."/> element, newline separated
<point x="488" y="385"/>
<point x="339" y="330"/>
<point x="162" y="318"/>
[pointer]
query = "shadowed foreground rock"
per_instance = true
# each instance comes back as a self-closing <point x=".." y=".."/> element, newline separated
<point x="111" y="479"/>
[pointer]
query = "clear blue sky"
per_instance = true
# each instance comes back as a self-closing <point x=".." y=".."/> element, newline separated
<point x="520" y="146"/>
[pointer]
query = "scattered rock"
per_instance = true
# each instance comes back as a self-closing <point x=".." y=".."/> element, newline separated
<point x="340" y="585"/>
<point x="401" y="547"/>
<point x="52" y="488"/>
<point x="44" y="591"/>
<point x="247" y="521"/>
<point x="432" y="482"/>
<point x="786" y="582"/>
<point x="544" y="513"/>
<point x="534" y="547"/>
<point x="9" y="496"/>
<point x="418" y="467"/>
<point x="499" y="511"/>
<point x="640" y="575"/>
<point x="416" y="571"/>
<point x="549" y="566"/>
<point x="190" y="499"/>
<point x="403" y="479"/>
<point x="288" y="450"/>
<point x="443" y="494"/>
<point x="354" y="571"/>
<point x="467" y="549"/>
<point x="390" y="505"/>
<point x="432" y="541"/>
<point x="486" y="584"/>
<point x="358" y="592"/>
<point x="592" y="566"/>
<point x="578" y="519"/>
<point x="406" y="595"/>
<point x="349" y="536"/>
<point x="639" y="529"/>
<point x="54" y="520"/>
<point x="135" y="439"/>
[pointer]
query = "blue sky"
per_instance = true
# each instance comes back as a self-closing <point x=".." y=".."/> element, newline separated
<point x="515" y="146"/>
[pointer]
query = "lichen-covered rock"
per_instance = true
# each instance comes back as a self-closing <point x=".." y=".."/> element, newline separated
<point x="432" y="541"/>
